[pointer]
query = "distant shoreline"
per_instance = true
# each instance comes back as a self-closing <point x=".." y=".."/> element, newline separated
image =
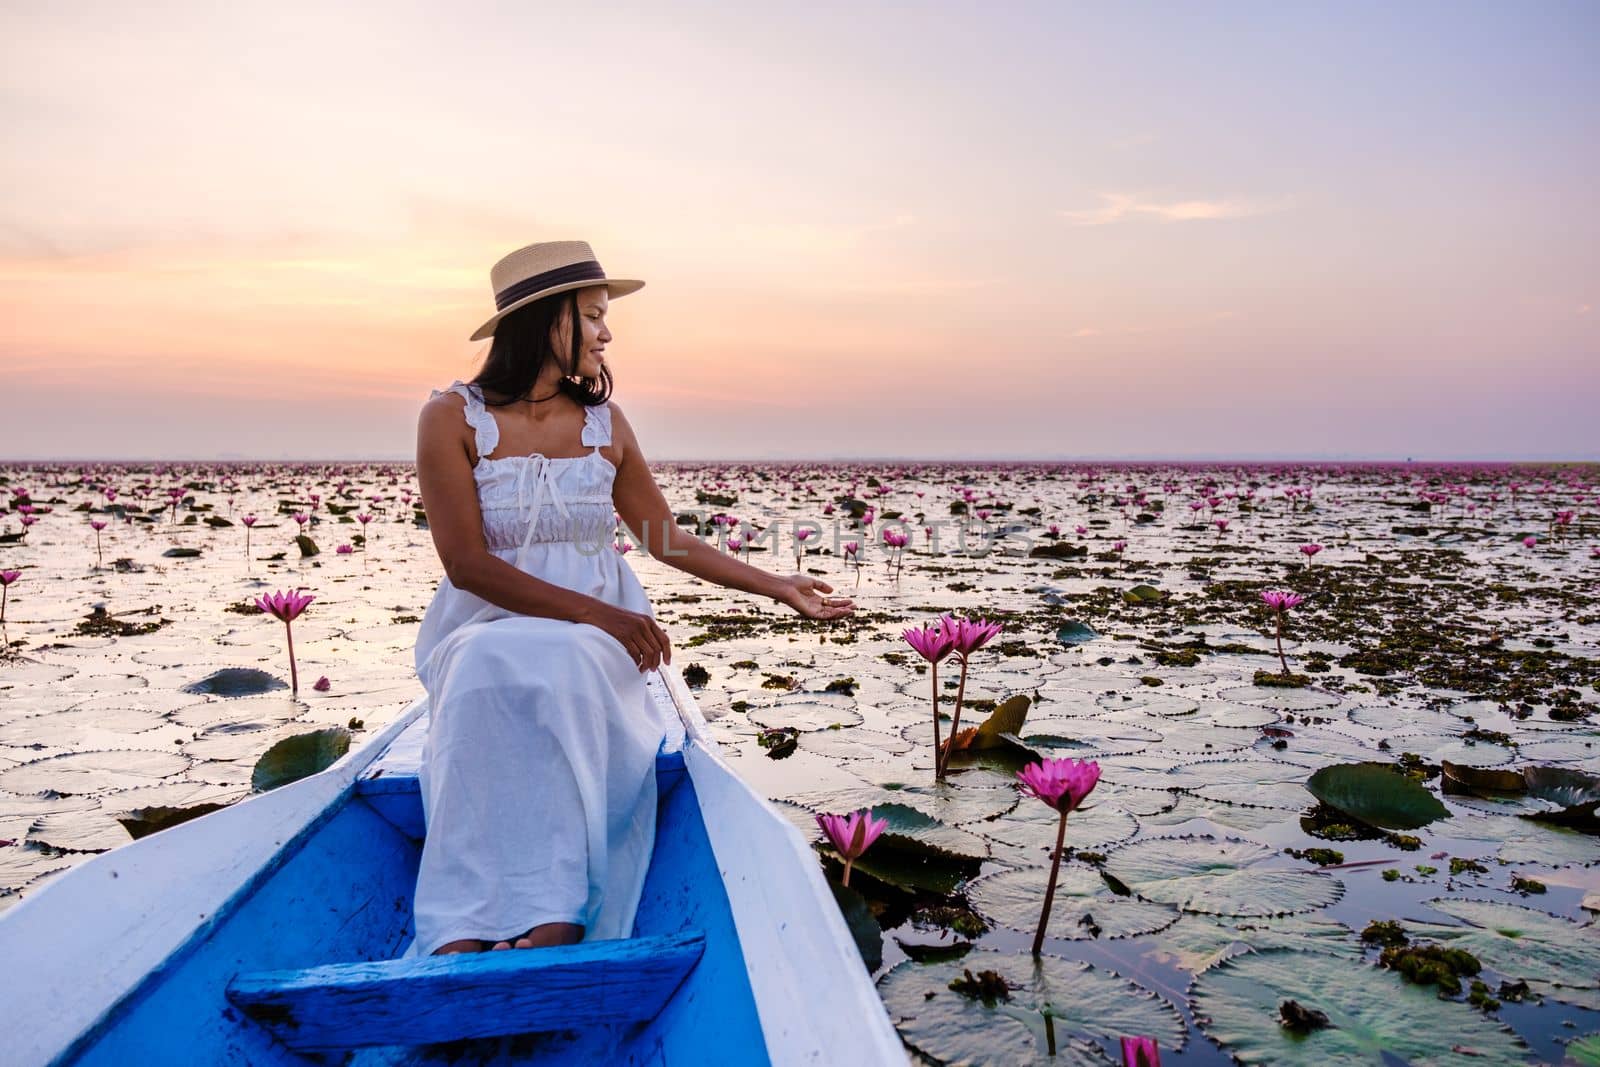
<point x="1243" y="461"/>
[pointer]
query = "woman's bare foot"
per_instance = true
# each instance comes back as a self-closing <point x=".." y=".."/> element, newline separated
<point x="545" y="935"/>
<point x="468" y="944"/>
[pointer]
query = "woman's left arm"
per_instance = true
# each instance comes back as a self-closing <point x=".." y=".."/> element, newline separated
<point x="644" y="510"/>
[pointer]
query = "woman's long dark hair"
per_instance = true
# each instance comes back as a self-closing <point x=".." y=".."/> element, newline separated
<point x="523" y="344"/>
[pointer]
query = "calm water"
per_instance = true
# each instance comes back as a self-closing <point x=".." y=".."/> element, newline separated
<point x="1432" y="634"/>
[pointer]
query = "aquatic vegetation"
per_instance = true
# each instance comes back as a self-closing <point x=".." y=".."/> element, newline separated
<point x="966" y="637"/>
<point x="286" y="606"/>
<point x="933" y="642"/>
<point x="1429" y="647"/>
<point x="6" y="578"/>
<point x="1062" y="784"/>
<point x="852" y="835"/>
<point x="1278" y="602"/>
<point x="1140" y="1052"/>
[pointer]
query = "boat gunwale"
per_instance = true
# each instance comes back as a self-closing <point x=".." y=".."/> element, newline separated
<point x="73" y="1037"/>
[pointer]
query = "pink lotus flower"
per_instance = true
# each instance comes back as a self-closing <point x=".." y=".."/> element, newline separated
<point x="1279" y="601"/>
<point x="301" y="518"/>
<point x="97" y="525"/>
<point x="1081" y="530"/>
<point x="345" y="550"/>
<point x="623" y="547"/>
<point x="322" y="685"/>
<point x="1063" y="784"/>
<point x="1060" y="783"/>
<point x="1140" y="1052"/>
<point x="966" y="637"/>
<point x="1055" y="530"/>
<point x="851" y="836"/>
<point x="933" y="643"/>
<point x="1528" y="542"/>
<point x="287" y="606"/>
<point x="1310" y="550"/>
<point x="6" y="578"/>
<point x="1221" y="525"/>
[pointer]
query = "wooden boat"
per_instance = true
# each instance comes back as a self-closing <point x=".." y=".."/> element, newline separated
<point x="271" y="932"/>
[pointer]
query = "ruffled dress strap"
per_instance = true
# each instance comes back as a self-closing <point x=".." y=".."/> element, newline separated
<point x="597" y="425"/>
<point x="486" y="433"/>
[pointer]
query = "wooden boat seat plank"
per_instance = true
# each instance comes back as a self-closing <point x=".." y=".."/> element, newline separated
<point x="469" y="995"/>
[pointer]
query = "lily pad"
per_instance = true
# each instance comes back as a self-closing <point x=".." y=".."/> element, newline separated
<point x="1084" y="906"/>
<point x="1198" y="942"/>
<point x="1083" y="1002"/>
<point x="236" y="682"/>
<point x="1376" y="794"/>
<point x="296" y="757"/>
<point x="1076" y="633"/>
<point x="1373" y="1016"/>
<point x="1219" y="876"/>
<point x="1519" y="942"/>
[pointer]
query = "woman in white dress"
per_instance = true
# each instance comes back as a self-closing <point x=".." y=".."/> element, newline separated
<point x="537" y="776"/>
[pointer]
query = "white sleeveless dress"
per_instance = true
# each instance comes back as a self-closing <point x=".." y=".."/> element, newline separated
<point x="538" y="772"/>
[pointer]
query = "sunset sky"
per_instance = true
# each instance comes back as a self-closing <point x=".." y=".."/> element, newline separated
<point x="867" y="230"/>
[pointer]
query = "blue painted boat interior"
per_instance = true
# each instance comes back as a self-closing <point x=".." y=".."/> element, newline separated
<point x="340" y="892"/>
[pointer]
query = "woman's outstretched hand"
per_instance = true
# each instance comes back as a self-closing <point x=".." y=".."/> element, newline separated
<point x="803" y="593"/>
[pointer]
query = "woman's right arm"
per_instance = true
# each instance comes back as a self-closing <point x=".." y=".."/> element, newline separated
<point x="450" y="499"/>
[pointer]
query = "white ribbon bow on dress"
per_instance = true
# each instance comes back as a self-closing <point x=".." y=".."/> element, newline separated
<point x="535" y="477"/>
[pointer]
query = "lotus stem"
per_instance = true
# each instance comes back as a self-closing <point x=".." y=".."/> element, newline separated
<point x="955" y="721"/>
<point x="1050" y="890"/>
<point x="934" y="670"/>
<point x="294" y="674"/>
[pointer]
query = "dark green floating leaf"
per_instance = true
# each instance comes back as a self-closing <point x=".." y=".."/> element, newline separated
<point x="1143" y="594"/>
<point x="864" y="928"/>
<point x="142" y="822"/>
<point x="308" y="547"/>
<point x="1377" y="794"/>
<point x="297" y="757"/>
<point x="181" y="553"/>
<point x="1076" y="633"/>
<point x="236" y="682"/>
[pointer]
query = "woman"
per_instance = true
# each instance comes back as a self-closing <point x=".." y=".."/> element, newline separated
<point x="537" y="777"/>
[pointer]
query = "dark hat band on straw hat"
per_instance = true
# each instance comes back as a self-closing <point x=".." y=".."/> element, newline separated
<point x="575" y="272"/>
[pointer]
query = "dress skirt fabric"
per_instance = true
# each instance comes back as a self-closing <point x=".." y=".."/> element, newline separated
<point x="538" y="771"/>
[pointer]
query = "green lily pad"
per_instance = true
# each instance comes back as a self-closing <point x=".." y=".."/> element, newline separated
<point x="1376" y="794"/>
<point x="296" y="757"/>
<point x="236" y="682"/>
<point x="1219" y="876"/>
<point x="1083" y="907"/>
<point x="1083" y="1002"/>
<point x="1374" y="1016"/>
<point x="1198" y="942"/>
<point x="1143" y="594"/>
<point x="1076" y="633"/>
<point x="1519" y="942"/>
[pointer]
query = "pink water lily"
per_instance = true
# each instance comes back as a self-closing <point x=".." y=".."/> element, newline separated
<point x="287" y="605"/>
<point x="1140" y="1052"/>
<point x="1310" y="550"/>
<point x="851" y="835"/>
<point x="6" y="578"/>
<point x="1279" y="601"/>
<point x="97" y="525"/>
<point x="1063" y="784"/>
<point x="966" y="637"/>
<point x="933" y="643"/>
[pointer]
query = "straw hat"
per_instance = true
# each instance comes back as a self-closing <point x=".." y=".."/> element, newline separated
<point x="544" y="268"/>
